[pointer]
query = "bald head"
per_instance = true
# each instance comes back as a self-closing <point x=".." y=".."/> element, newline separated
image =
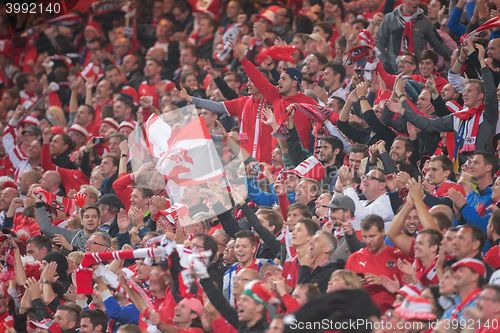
<point x="446" y="210"/>
<point x="51" y="181"/>
<point x="156" y="53"/>
<point x="7" y="195"/>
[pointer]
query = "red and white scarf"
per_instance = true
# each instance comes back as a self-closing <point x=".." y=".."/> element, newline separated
<point x="471" y="118"/>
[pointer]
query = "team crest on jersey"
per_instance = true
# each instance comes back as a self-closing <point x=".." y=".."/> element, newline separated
<point x="390" y="264"/>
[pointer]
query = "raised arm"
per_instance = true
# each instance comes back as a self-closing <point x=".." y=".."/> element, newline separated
<point x="395" y="232"/>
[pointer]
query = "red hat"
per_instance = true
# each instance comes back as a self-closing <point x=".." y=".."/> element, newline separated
<point x="6" y="48"/>
<point x="31" y="120"/>
<point x="269" y="13"/>
<point x="111" y="122"/>
<point x="258" y="292"/>
<point x="94" y="26"/>
<point x="194" y="304"/>
<point x="416" y="308"/>
<point x="57" y="130"/>
<point x="475" y="265"/>
<point x="79" y="129"/>
<point x="209" y="7"/>
<point x="46" y="324"/>
<point x="310" y="168"/>
<point x="130" y="91"/>
<point x="409" y="290"/>
<point x="127" y="124"/>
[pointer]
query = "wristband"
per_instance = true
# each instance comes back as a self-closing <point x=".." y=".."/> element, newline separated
<point x="123" y="155"/>
<point x="361" y="98"/>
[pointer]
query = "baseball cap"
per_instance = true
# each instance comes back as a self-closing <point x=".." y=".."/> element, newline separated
<point x="473" y="264"/>
<point x="46" y="324"/>
<point x="295" y="74"/>
<point x="341" y="201"/>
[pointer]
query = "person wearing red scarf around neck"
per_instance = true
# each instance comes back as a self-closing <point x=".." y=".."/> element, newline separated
<point x="474" y="125"/>
<point x="469" y="274"/>
<point x="439" y="172"/>
<point x="281" y="96"/>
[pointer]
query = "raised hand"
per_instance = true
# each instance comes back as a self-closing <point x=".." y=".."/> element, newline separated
<point x="34" y="288"/>
<point x="183" y="94"/>
<point x="49" y="272"/>
<point x="345" y="175"/>
<point x="395" y="107"/>
<point x="268" y="118"/>
<point x="61" y="241"/>
<point x="458" y="198"/>
<point x="123" y="221"/>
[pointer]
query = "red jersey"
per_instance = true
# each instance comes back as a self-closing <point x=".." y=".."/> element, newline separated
<point x="280" y="103"/>
<point x="291" y="271"/>
<point x="383" y="263"/>
<point x="442" y="190"/>
<point x="426" y="276"/>
<point x="254" y="135"/>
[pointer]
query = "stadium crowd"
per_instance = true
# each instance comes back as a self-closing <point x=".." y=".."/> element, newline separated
<point x="368" y="131"/>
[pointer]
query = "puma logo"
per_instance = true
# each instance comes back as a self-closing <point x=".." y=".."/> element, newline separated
<point x="363" y="263"/>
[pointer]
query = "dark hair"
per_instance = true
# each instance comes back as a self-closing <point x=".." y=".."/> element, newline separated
<point x="67" y="141"/>
<point x="273" y="216"/>
<point x="334" y="141"/>
<point x="303" y="24"/>
<point x="372" y="220"/>
<point x="360" y="148"/>
<point x="340" y="4"/>
<point x="326" y="27"/>
<point x="311" y="226"/>
<point x="209" y="243"/>
<point x="446" y="163"/>
<point x="90" y="206"/>
<point x="74" y="311"/>
<point x="489" y="159"/>
<point x="248" y="235"/>
<point x="312" y="289"/>
<point x="495" y="221"/>
<point x="476" y="234"/>
<point x="435" y="236"/>
<point x="362" y="21"/>
<point x="429" y="54"/>
<point x="90" y="108"/>
<point x="40" y="242"/>
<point x="408" y="144"/>
<point x="321" y="58"/>
<point x="97" y="317"/>
<point x="304" y="210"/>
<point x="337" y="68"/>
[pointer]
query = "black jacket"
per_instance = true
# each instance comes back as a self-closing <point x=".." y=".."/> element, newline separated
<point x="319" y="275"/>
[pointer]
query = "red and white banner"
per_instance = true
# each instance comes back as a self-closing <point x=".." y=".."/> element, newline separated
<point x="91" y="70"/>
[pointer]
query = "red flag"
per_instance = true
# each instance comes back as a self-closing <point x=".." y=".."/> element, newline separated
<point x="490" y="24"/>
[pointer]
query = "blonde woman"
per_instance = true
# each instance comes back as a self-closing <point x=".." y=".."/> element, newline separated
<point x="343" y="279"/>
<point x="55" y="115"/>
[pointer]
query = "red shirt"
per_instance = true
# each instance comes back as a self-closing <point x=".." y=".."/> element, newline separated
<point x="442" y="190"/>
<point x="280" y="103"/>
<point x="383" y="263"/>
<point x="291" y="271"/>
<point x="492" y="257"/>
<point x="247" y="108"/>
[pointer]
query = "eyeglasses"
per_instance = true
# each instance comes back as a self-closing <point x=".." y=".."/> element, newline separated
<point x="373" y="178"/>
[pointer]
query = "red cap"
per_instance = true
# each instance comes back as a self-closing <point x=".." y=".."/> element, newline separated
<point x="475" y="265"/>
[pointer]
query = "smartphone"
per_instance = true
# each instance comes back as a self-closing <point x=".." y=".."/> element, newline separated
<point x="98" y="140"/>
